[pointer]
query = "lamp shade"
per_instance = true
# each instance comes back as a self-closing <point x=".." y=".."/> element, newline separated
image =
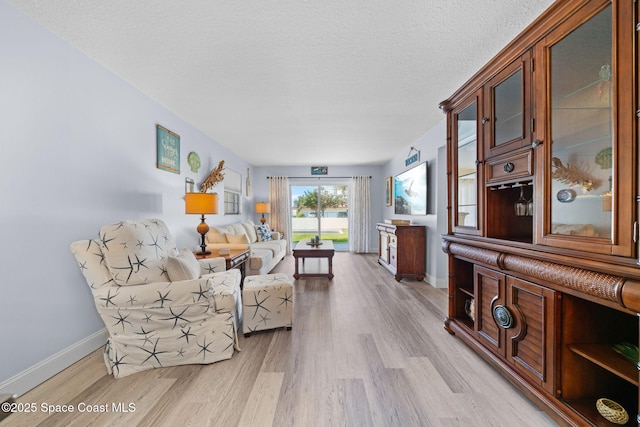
<point x="262" y="207"/>
<point x="201" y="203"/>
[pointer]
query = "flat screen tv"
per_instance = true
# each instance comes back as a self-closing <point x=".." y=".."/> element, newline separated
<point x="410" y="191"/>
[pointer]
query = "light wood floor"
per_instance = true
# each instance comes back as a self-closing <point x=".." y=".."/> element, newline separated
<point x="364" y="351"/>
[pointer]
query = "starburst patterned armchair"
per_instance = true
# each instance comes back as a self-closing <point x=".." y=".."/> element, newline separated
<point x="161" y="307"/>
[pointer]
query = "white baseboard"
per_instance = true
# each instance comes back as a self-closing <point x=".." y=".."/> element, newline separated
<point x="435" y="282"/>
<point x="42" y="371"/>
<point x="442" y="283"/>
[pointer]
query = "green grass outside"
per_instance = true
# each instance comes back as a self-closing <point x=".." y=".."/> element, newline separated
<point x="335" y="237"/>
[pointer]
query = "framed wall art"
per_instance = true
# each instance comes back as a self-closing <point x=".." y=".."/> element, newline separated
<point x="319" y="170"/>
<point x="189" y="185"/>
<point x="410" y="191"/>
<point x="168" y="150"/>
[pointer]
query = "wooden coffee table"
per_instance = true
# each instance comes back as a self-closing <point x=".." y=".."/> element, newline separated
<point x="304" y="249"/>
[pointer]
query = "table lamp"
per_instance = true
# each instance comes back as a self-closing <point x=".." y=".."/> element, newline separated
<point x="262" y="208"/>
<point x="200" y="204"/>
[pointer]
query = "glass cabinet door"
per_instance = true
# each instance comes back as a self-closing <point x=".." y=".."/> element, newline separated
<point x="466" y="185"/>
<point x="582" y="130"/>
<point x="509" y="107"/>
<point x="583" y="155"/>
<point x="507" y="104"/>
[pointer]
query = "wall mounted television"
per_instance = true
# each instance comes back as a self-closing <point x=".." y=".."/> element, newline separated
<point x="410" y="191"/>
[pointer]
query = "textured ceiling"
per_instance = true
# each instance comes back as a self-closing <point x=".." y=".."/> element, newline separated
<point x="294" y="82"/>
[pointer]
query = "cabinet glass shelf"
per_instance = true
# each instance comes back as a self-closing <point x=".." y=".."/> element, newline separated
<point x="579" y="108"/>
<point x="513" y="117"/>
<point x="585" y="87"/>
<point x="558" y="147"/>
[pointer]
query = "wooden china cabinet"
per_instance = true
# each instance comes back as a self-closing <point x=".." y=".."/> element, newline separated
<point x="543" y="190"/>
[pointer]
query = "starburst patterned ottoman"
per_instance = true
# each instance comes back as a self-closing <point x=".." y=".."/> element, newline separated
<point x="267" y="302"/>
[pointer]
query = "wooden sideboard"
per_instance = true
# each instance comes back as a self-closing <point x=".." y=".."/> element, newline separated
<point x="402" y="250"/>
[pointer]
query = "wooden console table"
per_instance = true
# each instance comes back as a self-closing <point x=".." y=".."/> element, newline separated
<point x="305" y="250"/>
<point x="236" y="258"/>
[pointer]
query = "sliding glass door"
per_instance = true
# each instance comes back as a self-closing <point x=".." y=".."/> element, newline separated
<point x="320" y="210"/>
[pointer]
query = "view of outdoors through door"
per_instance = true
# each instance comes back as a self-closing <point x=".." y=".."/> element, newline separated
<point x="325" y="216"/>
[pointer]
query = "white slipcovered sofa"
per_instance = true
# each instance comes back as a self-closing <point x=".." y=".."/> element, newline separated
<point x="161" y="307"/>
<point x="266" y="252"/>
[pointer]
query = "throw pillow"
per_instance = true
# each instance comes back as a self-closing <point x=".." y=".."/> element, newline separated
<point x="264" y="234"/>
<point x="214" y="236"/>
<point x="183" y="266"/>
<point x="237" y="238"/>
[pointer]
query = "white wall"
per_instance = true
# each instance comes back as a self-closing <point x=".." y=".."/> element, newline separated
<point x="78" y="152"/>
<point x="428" y="145"/>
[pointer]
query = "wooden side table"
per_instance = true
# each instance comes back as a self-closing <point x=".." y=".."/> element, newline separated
<point x="236" y="258"/>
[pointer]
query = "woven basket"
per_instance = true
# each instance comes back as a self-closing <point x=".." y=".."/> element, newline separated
<point x="612" y="411"/>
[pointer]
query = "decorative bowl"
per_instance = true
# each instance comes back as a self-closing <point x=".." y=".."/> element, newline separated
<point x="567" y="195"/>
<point x="612" y="411"/>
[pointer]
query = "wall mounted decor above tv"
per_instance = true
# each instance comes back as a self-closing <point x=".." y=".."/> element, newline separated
<point x="410" y="191"/>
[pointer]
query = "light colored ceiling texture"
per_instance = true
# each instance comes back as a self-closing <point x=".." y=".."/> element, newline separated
<point x="294" y="82"/>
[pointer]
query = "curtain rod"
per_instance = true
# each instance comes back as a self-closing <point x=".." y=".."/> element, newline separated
<point x="318" y="177"/>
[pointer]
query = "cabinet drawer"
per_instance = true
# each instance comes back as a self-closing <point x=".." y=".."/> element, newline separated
<point x="509" y="168"/>
<point x="393" y="255"/>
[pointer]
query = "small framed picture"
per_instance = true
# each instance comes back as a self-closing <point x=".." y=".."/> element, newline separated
<point x="319" y="170"/>
<point x="168" y="150"/>
<point x="189" y="185"/>
<point x="388" y="191"/>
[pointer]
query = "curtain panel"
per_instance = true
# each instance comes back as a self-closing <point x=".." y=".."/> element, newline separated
<point x="360" y="214"/>
<point x="280" y="203"/>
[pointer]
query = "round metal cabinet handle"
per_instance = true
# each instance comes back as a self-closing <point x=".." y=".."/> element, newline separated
<point x="536" y="143"/>
<point x="485" y="120"/>
<point x="508" y="167"/>
<point x="503" y="317"/>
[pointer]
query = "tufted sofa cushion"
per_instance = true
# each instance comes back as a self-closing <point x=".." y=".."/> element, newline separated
<point x="237" y="238"/>
<point x="250" y="231"/>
